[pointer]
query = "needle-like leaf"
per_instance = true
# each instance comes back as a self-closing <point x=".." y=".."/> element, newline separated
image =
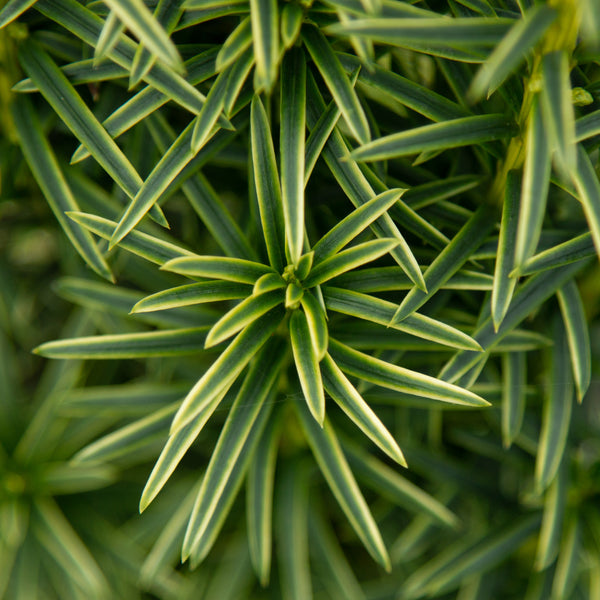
<point x="587" y="126"/>
<point x="338" y="83"/>
<point x="208" y="516"/>
<point x="567" y="564"/>
<point x="317" y="323"/>
<point x="235" y="45"/>
<point x="511" y="51"/>
<point x="242" y="416"/>
<point x="352" y="403"/>
<point x="194" y="293"/>
<point x="112" y="30"/>
<point x="504" y="285"/>
<point x="307" y="364"/>
<point x="588" y="187"/>
<point x="291" y="21"/>
<point x="51" y="180"/>
<point x="147" y="246"/>
<point x="380" y="311"/>
<point x="79" y="72"/>
<point x="291" y="148"/>
<point x="460" y="39"/>
<point x="335" y="469"/>
<point x="536" y="179"/>
<point x="227" y="367"/>
<point x="389" y="483"/>
<point x="63" y="98"/>
<point x="62" y="543"/>
<point x="448" y="261"/>
<point x="439" y="136"/>
<point x="557" y="108"/>
<point x="577" y="248"/>
<point x="265" y="37"/>
<point x="292" y="533"/>
<point x="578" y="336"/>
<point x="349" y="259"/>
<point x="458" y="563"/>
<point x="242" y="315"/>
<point x="221" y="267"/>
<point x="400" y="379"/>
<point x="140" y="21"/>
<point x="417" y="97"/>
<point x="259" y="500"/>
<point x="173" y="342"/>
<point x="208" y="116"/>
<point x="514" y="371"/>
<point x="13" y="9"/>
<point x="175" y="448"/>
<point x="556" y="416"/>
<point x="127" y="439"/>
<point x="340" y="577"/>
<point x="352" y="225"/>
<point x="166" y="13"/>
<point x="386" y="279"/>
<point x="268" y="191"/>
<point x="555" y="500"/>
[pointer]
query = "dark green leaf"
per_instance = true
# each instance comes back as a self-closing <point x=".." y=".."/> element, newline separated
<point x="575" y="249"/>
<point x="504" y="285"/>
<point x="307" y="364"/>
<point x="352" y="225"/>
<point x="128" y="345"/>
<point x="439" y="136"/>
<point x="229" y="269"/>
<point x="242" y="315"/>
<point x="292" y="534"/>
<point x="536" y="179"/>
<point x="588" y="187"/>
<point x="195" y="293"/>
<point x="223" y="372"/>
<point x="139" y="20"/>
<point x="557" y="107"/>
<point x="147" y="246"/>
<point x="556" y="417"/>
<point x="349" y="259"/>
<point x="400" y="379"/>
<point x="448" y="262"/>
<point x="51" y="180"/>
<point x="338" y="83"/>
<point x="259" y="500"/>
<point x="514" y="379"/>
<point x="578" y="336"/>
<point x="381" y="312"/>
<point x="234" y="46"/>
<point x="291" y="149"/>
<point x="265" y="37"/>
<point x="511" y="51"/>
<point x="13" y="9"/>
<point x="352" y="403"/>
<point x="336" y="471"/>
<point x="268" y="191"/>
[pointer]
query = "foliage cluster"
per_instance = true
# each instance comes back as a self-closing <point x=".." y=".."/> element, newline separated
<point x="322" y="300"/>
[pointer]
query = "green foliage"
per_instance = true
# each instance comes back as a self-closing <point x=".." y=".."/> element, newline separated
<point x="351" y="250"/>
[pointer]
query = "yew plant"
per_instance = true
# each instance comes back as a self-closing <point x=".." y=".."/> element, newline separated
<point x="321" y="300"/>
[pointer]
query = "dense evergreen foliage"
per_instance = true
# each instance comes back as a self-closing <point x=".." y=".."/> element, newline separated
<point x="319" y="297"/>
